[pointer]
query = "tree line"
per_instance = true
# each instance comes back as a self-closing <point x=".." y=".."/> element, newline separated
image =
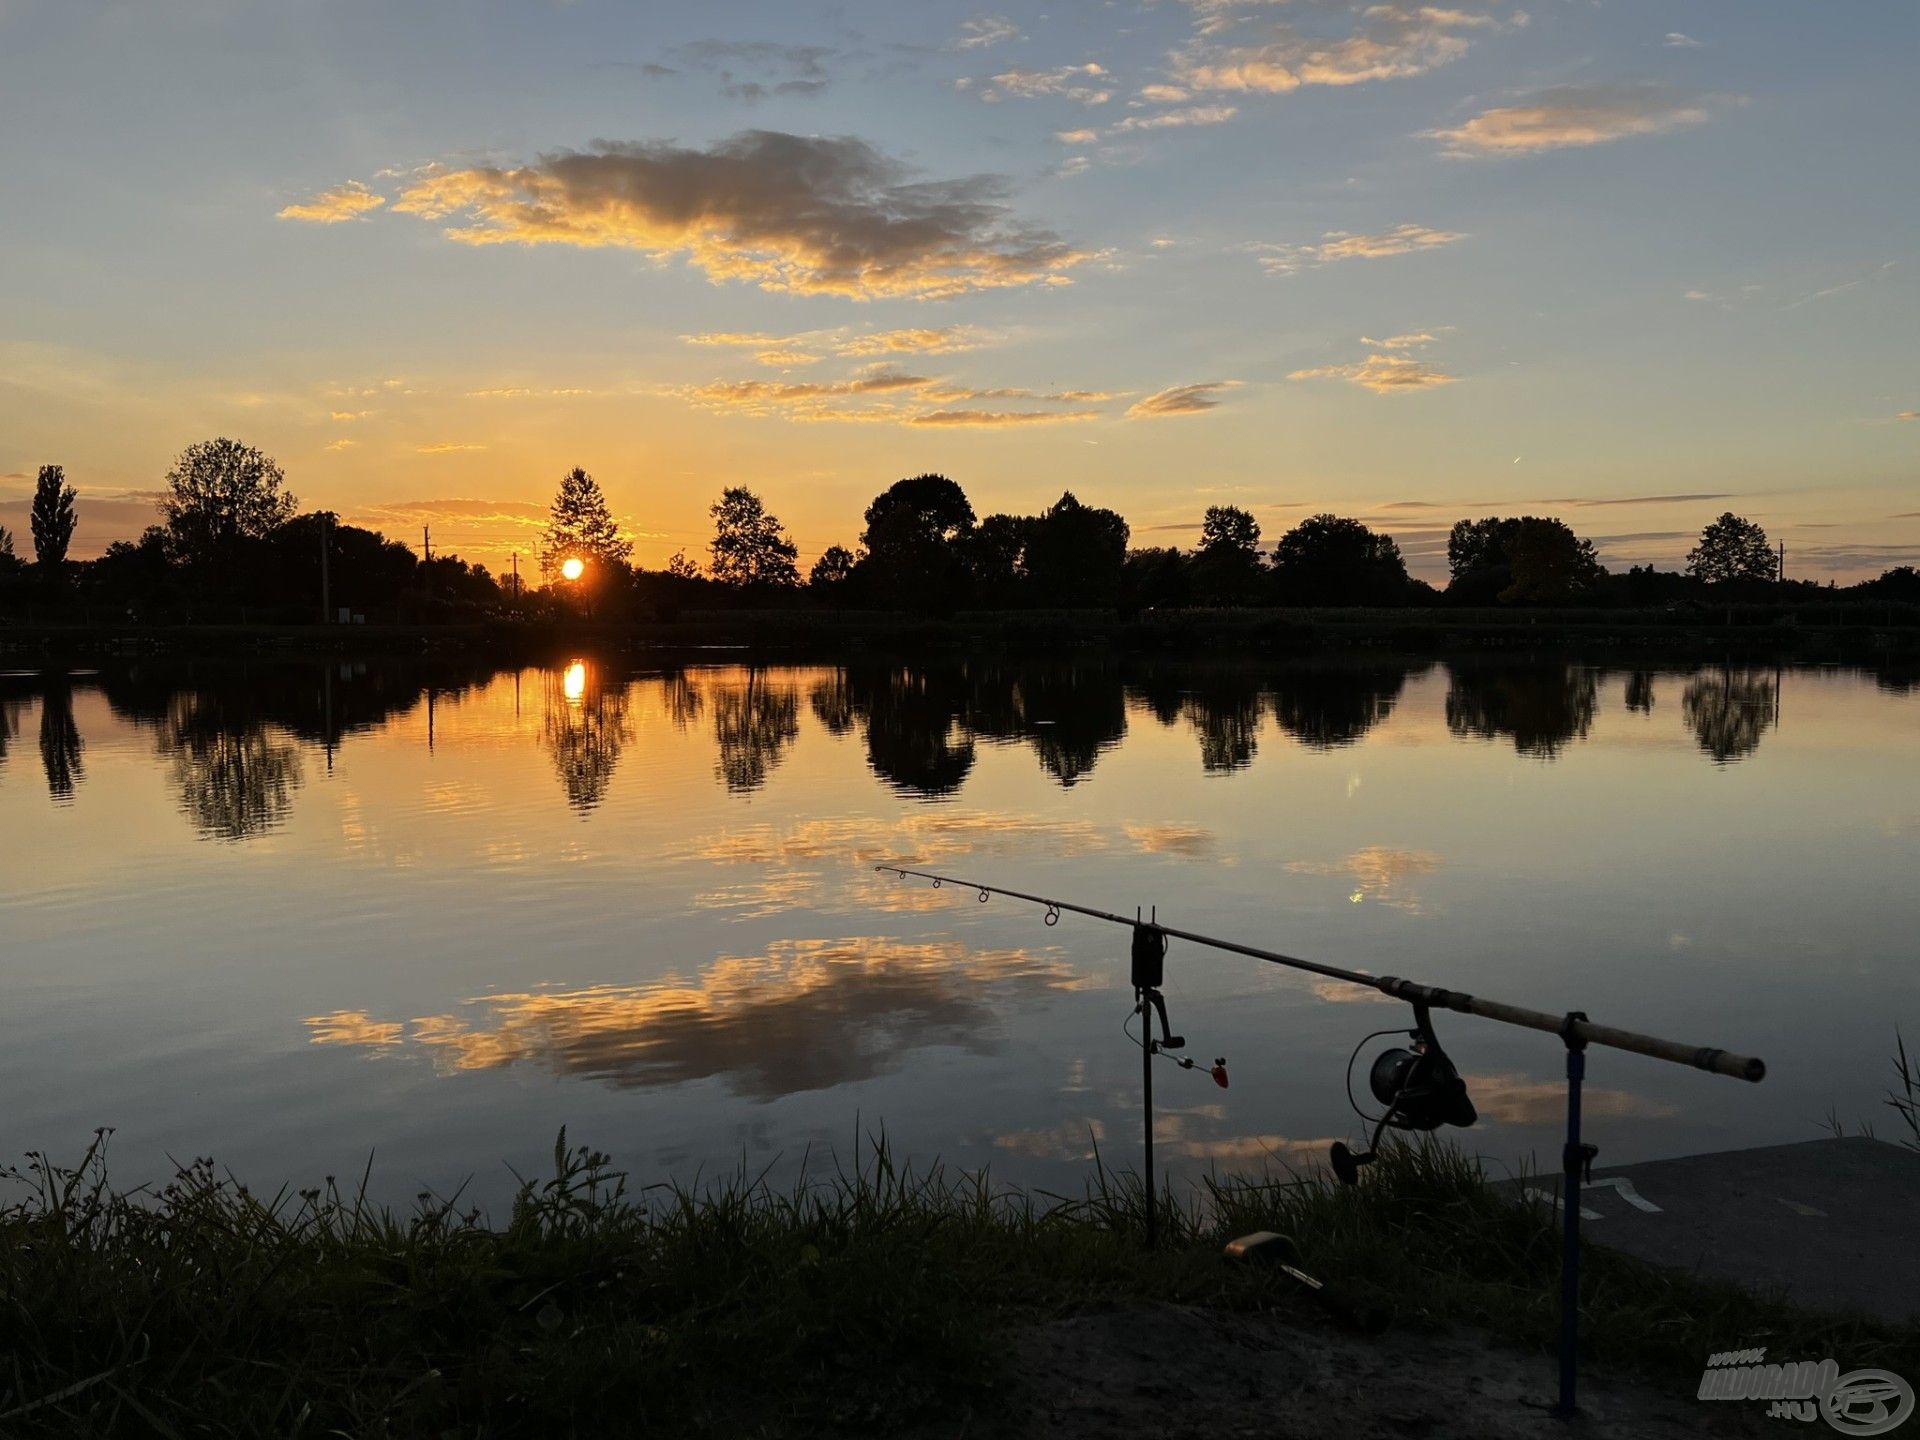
<point x="229" y="533"/>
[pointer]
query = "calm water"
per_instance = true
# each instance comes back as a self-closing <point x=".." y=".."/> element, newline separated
<point x="284" y="915"/>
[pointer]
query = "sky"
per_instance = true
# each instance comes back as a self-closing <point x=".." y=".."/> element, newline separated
<point x="1626" y="263"/>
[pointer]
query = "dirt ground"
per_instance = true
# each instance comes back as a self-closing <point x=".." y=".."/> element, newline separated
<point x="1170" y="1372"/>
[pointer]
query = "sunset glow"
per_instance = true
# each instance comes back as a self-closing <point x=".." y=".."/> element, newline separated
<point x="1403" y="263"/>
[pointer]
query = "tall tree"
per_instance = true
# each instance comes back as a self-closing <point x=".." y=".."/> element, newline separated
<point x="1732" y="548"/>
<point x="1229" y="527"/>
<point x="831" y="570"/>
<point x="581" y="527"/>
<point x="750" y="547"/>
<point x="1519" y="559"/>
<point x="916" y="529"/>
<point x="219" y="493"/>
<point x="1335" y="560"/>
<point x="53" y="517"/>
<point x="1075" y="553"/>
<point x="1226" y="568"/>
<point x="8" y="560"/>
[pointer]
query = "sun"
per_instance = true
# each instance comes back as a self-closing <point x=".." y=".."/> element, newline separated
<point x="573" y="567"/>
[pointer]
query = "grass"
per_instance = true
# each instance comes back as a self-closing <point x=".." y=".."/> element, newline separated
<point x="872" y="1299"/>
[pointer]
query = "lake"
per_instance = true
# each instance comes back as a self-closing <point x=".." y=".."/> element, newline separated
<point x="288" y="915"/>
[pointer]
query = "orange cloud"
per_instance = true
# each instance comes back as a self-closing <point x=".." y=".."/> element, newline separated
<point x="1382" y="374"/>
<point x="1181" y="400"/>
<point x="351" y="201"/>
<point x="1572" y="115"/>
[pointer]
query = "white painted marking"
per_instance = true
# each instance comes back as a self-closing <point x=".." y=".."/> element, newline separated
<point x="1548" y="1197"/>
<point x="1627" y="1193"/>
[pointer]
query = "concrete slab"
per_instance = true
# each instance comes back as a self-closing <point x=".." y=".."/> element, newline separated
<point x="1830" y="1222"/>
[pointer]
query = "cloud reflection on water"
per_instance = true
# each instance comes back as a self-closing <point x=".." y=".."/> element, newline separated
<point x="805" y="1015"/>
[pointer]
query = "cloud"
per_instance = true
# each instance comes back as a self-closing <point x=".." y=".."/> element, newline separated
<point x="1676" y="41"/>
<point x="804" y="1015"/>
<point x="1189" y="841"/>
<point x="985" y="32"/>
<point x="351" y="201"/>
<point x="1177" y="119"/>
<point x="1180" y="400"/>
<point x="1572" y="115"/>
<point x="790" y="213"/>
<point x="1908" y="415"/>
<point x="1165" y="94"/>
<point x="1087" y="84"/>
<point x="1337" y="245"/>
<point x="1382" y="374"/>
<point x="1652" y="499"/>
<point x="771" y="69"/>
<point x="1076" y="137"/>
<point x="998" y="418"/>
<point x="917" y="340"/>
<point x="446" y="447"/>
<point x="1399" y="342"/>
<point x="1390" y="41"/>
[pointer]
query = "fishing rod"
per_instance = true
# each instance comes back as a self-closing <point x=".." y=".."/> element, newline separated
<point x="1419" y="1085"/>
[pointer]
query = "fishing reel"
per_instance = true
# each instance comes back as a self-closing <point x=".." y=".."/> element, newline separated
<point x="1417" y="1083"/>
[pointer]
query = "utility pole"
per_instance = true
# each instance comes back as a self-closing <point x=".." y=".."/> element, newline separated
<point x="1780" y="568"/>
<point x="426" y="543"/>
<point x="326" y="569"/>
<point x="516" y="574"/>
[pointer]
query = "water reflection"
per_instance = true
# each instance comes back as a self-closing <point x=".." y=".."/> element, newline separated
<point x="805" y="1015"/>
<point x="1325" y="709"/>
<point x="753" y="724"/>
<point x="60" y="743"/>
<point x="1640" y="692"/>
<point x="585" y="727"/>
<point x="917" y="740"/>
<point x="1540" y="707"/>
<point x="1069" y="714"/>
<point x="233" y="735"/>
<point x="236" y="779"/>
<point x="1729" y="710"/>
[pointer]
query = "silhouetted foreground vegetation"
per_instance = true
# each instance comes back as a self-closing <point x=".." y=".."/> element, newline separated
<point x="232" y="548"/>
<point x="870" y="1301"/>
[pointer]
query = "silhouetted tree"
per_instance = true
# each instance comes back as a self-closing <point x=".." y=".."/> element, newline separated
<point x="681" y="568"/>
<point x="831" y="571"/>
<point x="1730" y="710"/>
<point x="996" y="553"/>
<point x="1732" y="548"/>
<point x="1519" y="559"/>
<point x="1074" y="554"/>
<point x="9" y="562"/>
<point x="1334" y="560"/>
<point x="220" y="493"/>
<point x="1159" y="577"/>
<point x="1226" y="567"/>
<point x="53" y="517"/>
<point x="580" y="525"/>
<point x="749" y="545"/>
<point x="1070" y="715"/>
<point x="60" y="743"/>
<point x="914" y="539"/>
<point x="1548" y="564"/>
